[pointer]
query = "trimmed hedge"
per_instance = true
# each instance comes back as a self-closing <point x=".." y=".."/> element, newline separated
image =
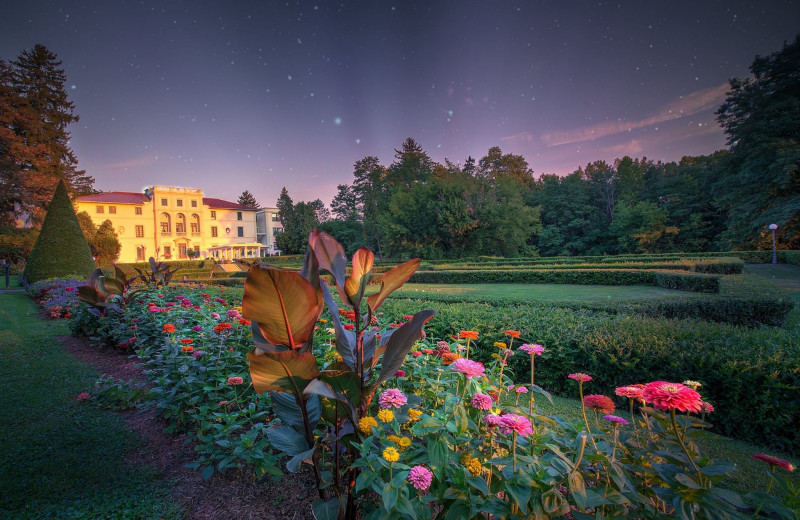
<point x="668" y="279"/>
<point x="61" y="249"/>
<point x="751" y="376"/>
<point x="713" y="265"/>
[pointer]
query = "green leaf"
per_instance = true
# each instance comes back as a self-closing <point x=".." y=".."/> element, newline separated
<point x="282" y="371"/>
<point x="578" y="489"/>
<point x="286" y="439"/>
<point x="295" y="463"/>
<point x="687" y="481"/>
<point x="478" y="483"/>
<point x="539" y="390"/>
<point x="390" y="494"/>
<point x="341" y="387"/>
<point x="207" y="472"/>
<point x="284" y="304"/>
<point x="285" y="407"/>
<point x="458" y="511"/>
<point x="438" y="453"/>
<point x="462" y="421"/>
<point x="326" y="510"/>
<point x="399" y="345"/>
<point x="521" y="495"/>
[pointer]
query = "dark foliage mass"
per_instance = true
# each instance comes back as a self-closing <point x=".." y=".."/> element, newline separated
<point x="498" y="206"/>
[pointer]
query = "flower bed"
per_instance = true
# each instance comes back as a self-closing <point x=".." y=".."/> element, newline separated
<point x="445" y="434"/>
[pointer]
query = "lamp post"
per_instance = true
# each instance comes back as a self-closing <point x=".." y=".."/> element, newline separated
<point x="773" y="227"/>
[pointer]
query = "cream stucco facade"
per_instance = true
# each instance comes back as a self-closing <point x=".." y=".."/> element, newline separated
<point x="167" y="222"/>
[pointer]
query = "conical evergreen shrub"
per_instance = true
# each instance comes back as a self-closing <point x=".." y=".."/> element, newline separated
<point x="61" y="249"/>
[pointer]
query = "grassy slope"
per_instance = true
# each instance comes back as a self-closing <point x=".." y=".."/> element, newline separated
<point x="61" y="458"/>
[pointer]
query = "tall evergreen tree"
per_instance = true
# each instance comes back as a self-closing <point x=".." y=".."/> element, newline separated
<point x="41" y="114"/>
<point x="247" y="199"/>
<point x="761" y="116"/>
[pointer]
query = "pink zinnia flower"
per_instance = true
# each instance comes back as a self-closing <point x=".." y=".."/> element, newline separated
<point x="481" y="401"/>
<point x="533" y="350"/>
<point x="442" y="345"/>
<point x="580" y="376"/>
<point x="672" y="396"/>
<point x="233" y="314"/>
<point x="521" y="390"/>
<point x="599" y="403"/>
<point x="392" y="398"/>
<point x="234" y="381"/>
<point x="468" y="367"/>
<point x="774" y="461"/>
<point x="630" y="391"/>
<point x="420" y="477"/>
<point x="615" y="419"/>
<point x="215" y="315"/>
<point x="83" y="396"/>
<point x="516" y="423"/>
<point x="706" y="407"/>
<point x="492" y="420"/>
<point x="197" y="328"/>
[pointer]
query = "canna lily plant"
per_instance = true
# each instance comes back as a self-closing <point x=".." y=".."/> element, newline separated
<point x="104" y="291"/>
<point x="284" y="307"/>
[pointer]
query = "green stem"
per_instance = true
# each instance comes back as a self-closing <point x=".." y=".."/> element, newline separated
<point x="683" y="447"/>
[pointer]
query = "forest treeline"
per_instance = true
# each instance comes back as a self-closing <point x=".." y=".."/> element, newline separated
<point x="497" y="205"/>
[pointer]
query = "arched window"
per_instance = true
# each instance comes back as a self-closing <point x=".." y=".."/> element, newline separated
<point x="180" y="224"/>
<point x="165" y="224"/>
<point x="194" y="225"/>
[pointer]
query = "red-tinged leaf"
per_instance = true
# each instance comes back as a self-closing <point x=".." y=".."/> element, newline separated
<point x="393" y="279"/>
<point x="399" y="345"/>
<point x="363" y="259"/>
<point x="284" y="304"/>
<point x="282" y="371"/>
<point x="330" y="255"/>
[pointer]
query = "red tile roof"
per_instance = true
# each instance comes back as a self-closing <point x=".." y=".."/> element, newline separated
<point x="115" y="197"/>
<point x="224" y="204"/>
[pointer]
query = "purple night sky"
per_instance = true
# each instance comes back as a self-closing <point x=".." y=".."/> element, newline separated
<point x="228" y="96"/>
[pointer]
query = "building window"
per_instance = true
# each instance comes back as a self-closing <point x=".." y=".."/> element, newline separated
<point x="193" y="227"/>
<point x="137" y="210"/>
<point x="213" y="231"/>
<point x="179" y="227"/>
<point x="99" y="209"/>
<point x="238" y="215"/>
<point x="194" y="203"/>
<point x="277" y="231"/>
<point x="163" y="202"/>
<point x="139" y="231"/>
<point x="240" y="231"/>
<point x="112" y="210"/>
<point x="167" y="252"/>
<point x="276" y="217"/>
<point x="179" y="202"/>
<point x="214" y="215"/>
<point x="140" y="254"/>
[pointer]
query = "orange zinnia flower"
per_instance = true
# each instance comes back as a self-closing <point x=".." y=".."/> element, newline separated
<point x="187" y="348"/>
<point x="469" y="334"/>
<point x="187" y="341"/>
<point x="513" y="333"/>
<point x="168" y="327"/>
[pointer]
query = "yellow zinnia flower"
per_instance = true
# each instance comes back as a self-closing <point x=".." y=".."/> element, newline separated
<point x="366" y="424"/>
<point x="414" y="414"/>
<point x="391" y="454"/>
<point x="386" y="415"/>
<point x="500" y="344"/>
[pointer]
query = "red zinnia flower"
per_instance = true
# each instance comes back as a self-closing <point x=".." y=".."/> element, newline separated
<point x="774" y="461"/>
<point x="672" y="396"/>
<point x="630" y="391"/>
<point x="513" y="333"/>
<point x="168" y="327"/>
<point x="244" y="322"/>
<point x="187" y="341"/>
<point x="599" y="403"/>
<point x="349" y="326"/>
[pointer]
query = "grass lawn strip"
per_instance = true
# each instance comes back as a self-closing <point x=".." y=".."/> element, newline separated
<point x="62" y="458"/>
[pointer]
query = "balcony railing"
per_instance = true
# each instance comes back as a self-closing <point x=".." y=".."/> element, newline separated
<point x="195" y="233"/>
<point x="181" y="233"/>
<point x="166" y="233"/>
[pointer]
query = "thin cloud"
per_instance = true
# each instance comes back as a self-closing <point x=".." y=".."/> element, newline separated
<point x="133" y="163"/>
<point x="693" y="103"/>
<point x="631" y="148"/>
<point x="522" y="137"/>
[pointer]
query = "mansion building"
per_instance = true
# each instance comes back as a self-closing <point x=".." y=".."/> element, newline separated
<point x="167" y="222"/>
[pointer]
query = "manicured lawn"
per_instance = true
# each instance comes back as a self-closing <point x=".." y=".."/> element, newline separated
<point x="545" y="292"/>
<point x="783" y="275"/>
<point x="61" y="458"/>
